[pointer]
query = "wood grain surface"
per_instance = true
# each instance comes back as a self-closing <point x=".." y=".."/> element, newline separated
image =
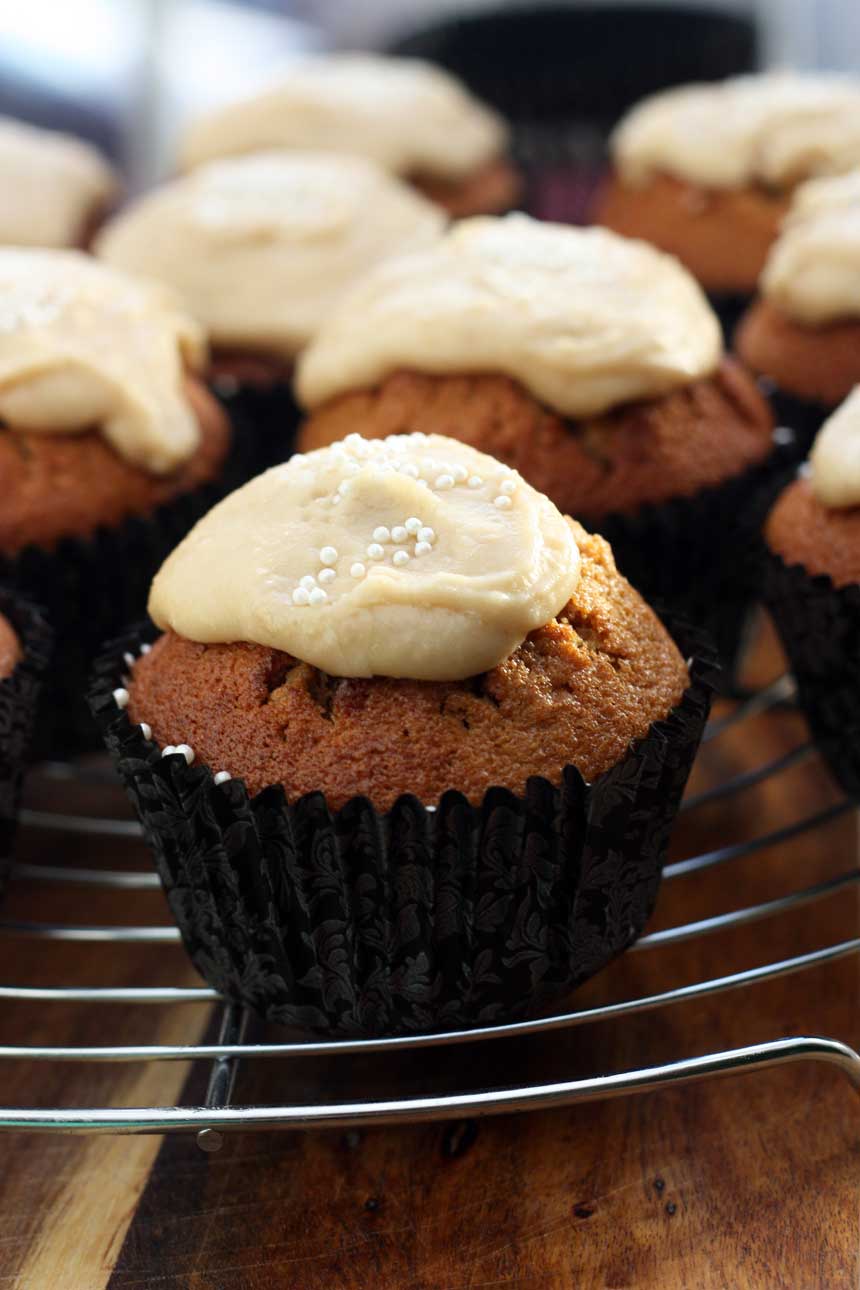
<point x="743" y="1182"/>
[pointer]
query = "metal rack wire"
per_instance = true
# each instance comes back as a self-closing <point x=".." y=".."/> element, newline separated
<point x="232" y="1045"/>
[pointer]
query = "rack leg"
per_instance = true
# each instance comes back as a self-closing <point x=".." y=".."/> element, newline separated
<point x="234" y="1025"/>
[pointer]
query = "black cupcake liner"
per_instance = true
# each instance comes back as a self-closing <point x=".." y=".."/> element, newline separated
<point x="265" y="421"/>
<point x="697" y="555"/>
<point x="19" y="696"/>
<point x="91" y="588"/>
<point x="730" y="307"/>
<point x="359" y="922"/>
<point x="819" y="625"/>
<point x="804" y="417"/>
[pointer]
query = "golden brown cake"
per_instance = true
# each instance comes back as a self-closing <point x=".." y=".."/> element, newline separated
<point x="10" y="648"/>
<point x="823" y="540"/>
<point x="492" y="190"/>
<point x="817" y="363"/>
<point x="633" y="455"/>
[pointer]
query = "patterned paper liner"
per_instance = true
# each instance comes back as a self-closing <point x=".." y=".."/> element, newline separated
<point x="698" y="555"/>
<point x="19" y="695"/>
<point x="265" y="421"/>
<point x="819" y="625"/>
<point x="91" y="589"/>
<point x="357" y="922"/>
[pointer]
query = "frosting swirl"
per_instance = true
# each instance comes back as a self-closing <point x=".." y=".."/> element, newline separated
<point x="413" y="556"/>
<point x="82" y="345"/>
<point x="410" y="117"/>
<point x="812" y="273"/>
<point x="52" y="183"/>
<point x="835" y="457"/>
<point x="774" y="129"/>
<point x="583" y="318"/>
<point x="261" y="247"/>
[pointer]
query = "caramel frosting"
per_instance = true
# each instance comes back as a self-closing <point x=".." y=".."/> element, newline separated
<point x="812" y="273"/>
<point x="835" y="457"/>
<point x="413" y="556"/>
<point x="410" y="117"/>
<point x="773" y="129"/>
<point x="583" y="318"/>
<point x="52" y="184"/>
<point x="82" y="345"/>
<point x="261" y="247"/>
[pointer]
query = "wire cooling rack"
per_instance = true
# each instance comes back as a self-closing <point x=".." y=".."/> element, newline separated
<point x="232" y="1046"/>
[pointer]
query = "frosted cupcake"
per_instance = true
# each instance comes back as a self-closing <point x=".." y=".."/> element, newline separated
<point x="260" y="249"/>
<point x="379" y="695"/>
<point x="110" y="448"/>
<point x="412" y="118"/>
<point x="707" y="171"/>
<point x="590" y="363"/>
<point x="813" y="588"/>
<point x="803" y="332"/>
<point x="55" y="188"/>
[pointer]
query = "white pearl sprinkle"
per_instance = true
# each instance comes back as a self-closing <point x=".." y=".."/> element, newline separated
<point x="444" y="481"/>
<point x="317" y="596"/>
<point x="507" y="486"/>
<point x="187" y="752"/>
<point x="410" y="469"/>
<point x="223" y="777"/>
<point x="375" y="551"/>
<point x="121" y="697"/>
<point x="308" y="582"/>
<point x="427" y="535"/>
<point x="328" y="555"/>
<point x="301" y="596"/>
<point x="168" y="750"/>
<point x="144" y="649"/>
<point x="475" y="481"/>
<point x="459" y="473"/>
<point x="503" y="503"/>
<point x="398" y="533"/>
<point x="400" y="557"/>
<point x="412" y="525"/>
<point x="423" y="548"/>
<point x="381" y="534"/>
<point x="128" y="659"/>
<point x="146" y="730"/>
<point x="327" y="575"/>
<point x="358" y="570"/>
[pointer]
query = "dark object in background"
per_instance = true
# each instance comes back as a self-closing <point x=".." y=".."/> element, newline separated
<point x="563" y="76"/>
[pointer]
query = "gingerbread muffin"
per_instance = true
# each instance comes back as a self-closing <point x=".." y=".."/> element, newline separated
<point x="56" y="189"/>
<point x="590" y="363"/>
<point x="803" y="332"/>
<point x="813" y="588"/>
<point x="110" y="448"/>
<point x="25" y="642"/>
<point x="410" y="117"/>
<point x="706" y="172"/>
<point x="260" y="248"/>
<point x="399" y="664"/>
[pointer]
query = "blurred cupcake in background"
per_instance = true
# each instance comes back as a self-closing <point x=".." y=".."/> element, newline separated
<point x="56" y="188"/>
<point x="412" y="118"/>
<point x="706" y="171"/>
<point x="803" y="332"/>
<point x="110" y="449"/>
<point x="25" y="644"/>
<point x="813" y="588"/>
<point x="409" y="748"/>
<point x="260" y="249"/>
<point x="590" y="363"/>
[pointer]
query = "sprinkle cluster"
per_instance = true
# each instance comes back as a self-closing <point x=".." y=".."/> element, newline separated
<point x="400" y="542"/>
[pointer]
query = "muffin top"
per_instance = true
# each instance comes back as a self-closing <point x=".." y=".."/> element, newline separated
<point x="772" y="129"/>
<point x="10" y="648"/>
<point x="52" y="185"/>
<point x="583" y="318"/>
<point x="412" y="118"/>
<point x="84" y="345"/>
<point x="413" y="556"/>
<point x="261" y="247"/>
<point x="813" y="270"/>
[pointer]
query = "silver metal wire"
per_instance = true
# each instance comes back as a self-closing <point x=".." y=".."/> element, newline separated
<point x="232" y="1045"/>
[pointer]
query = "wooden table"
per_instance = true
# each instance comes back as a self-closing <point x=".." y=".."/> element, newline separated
<point x="744" y="1182"/>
